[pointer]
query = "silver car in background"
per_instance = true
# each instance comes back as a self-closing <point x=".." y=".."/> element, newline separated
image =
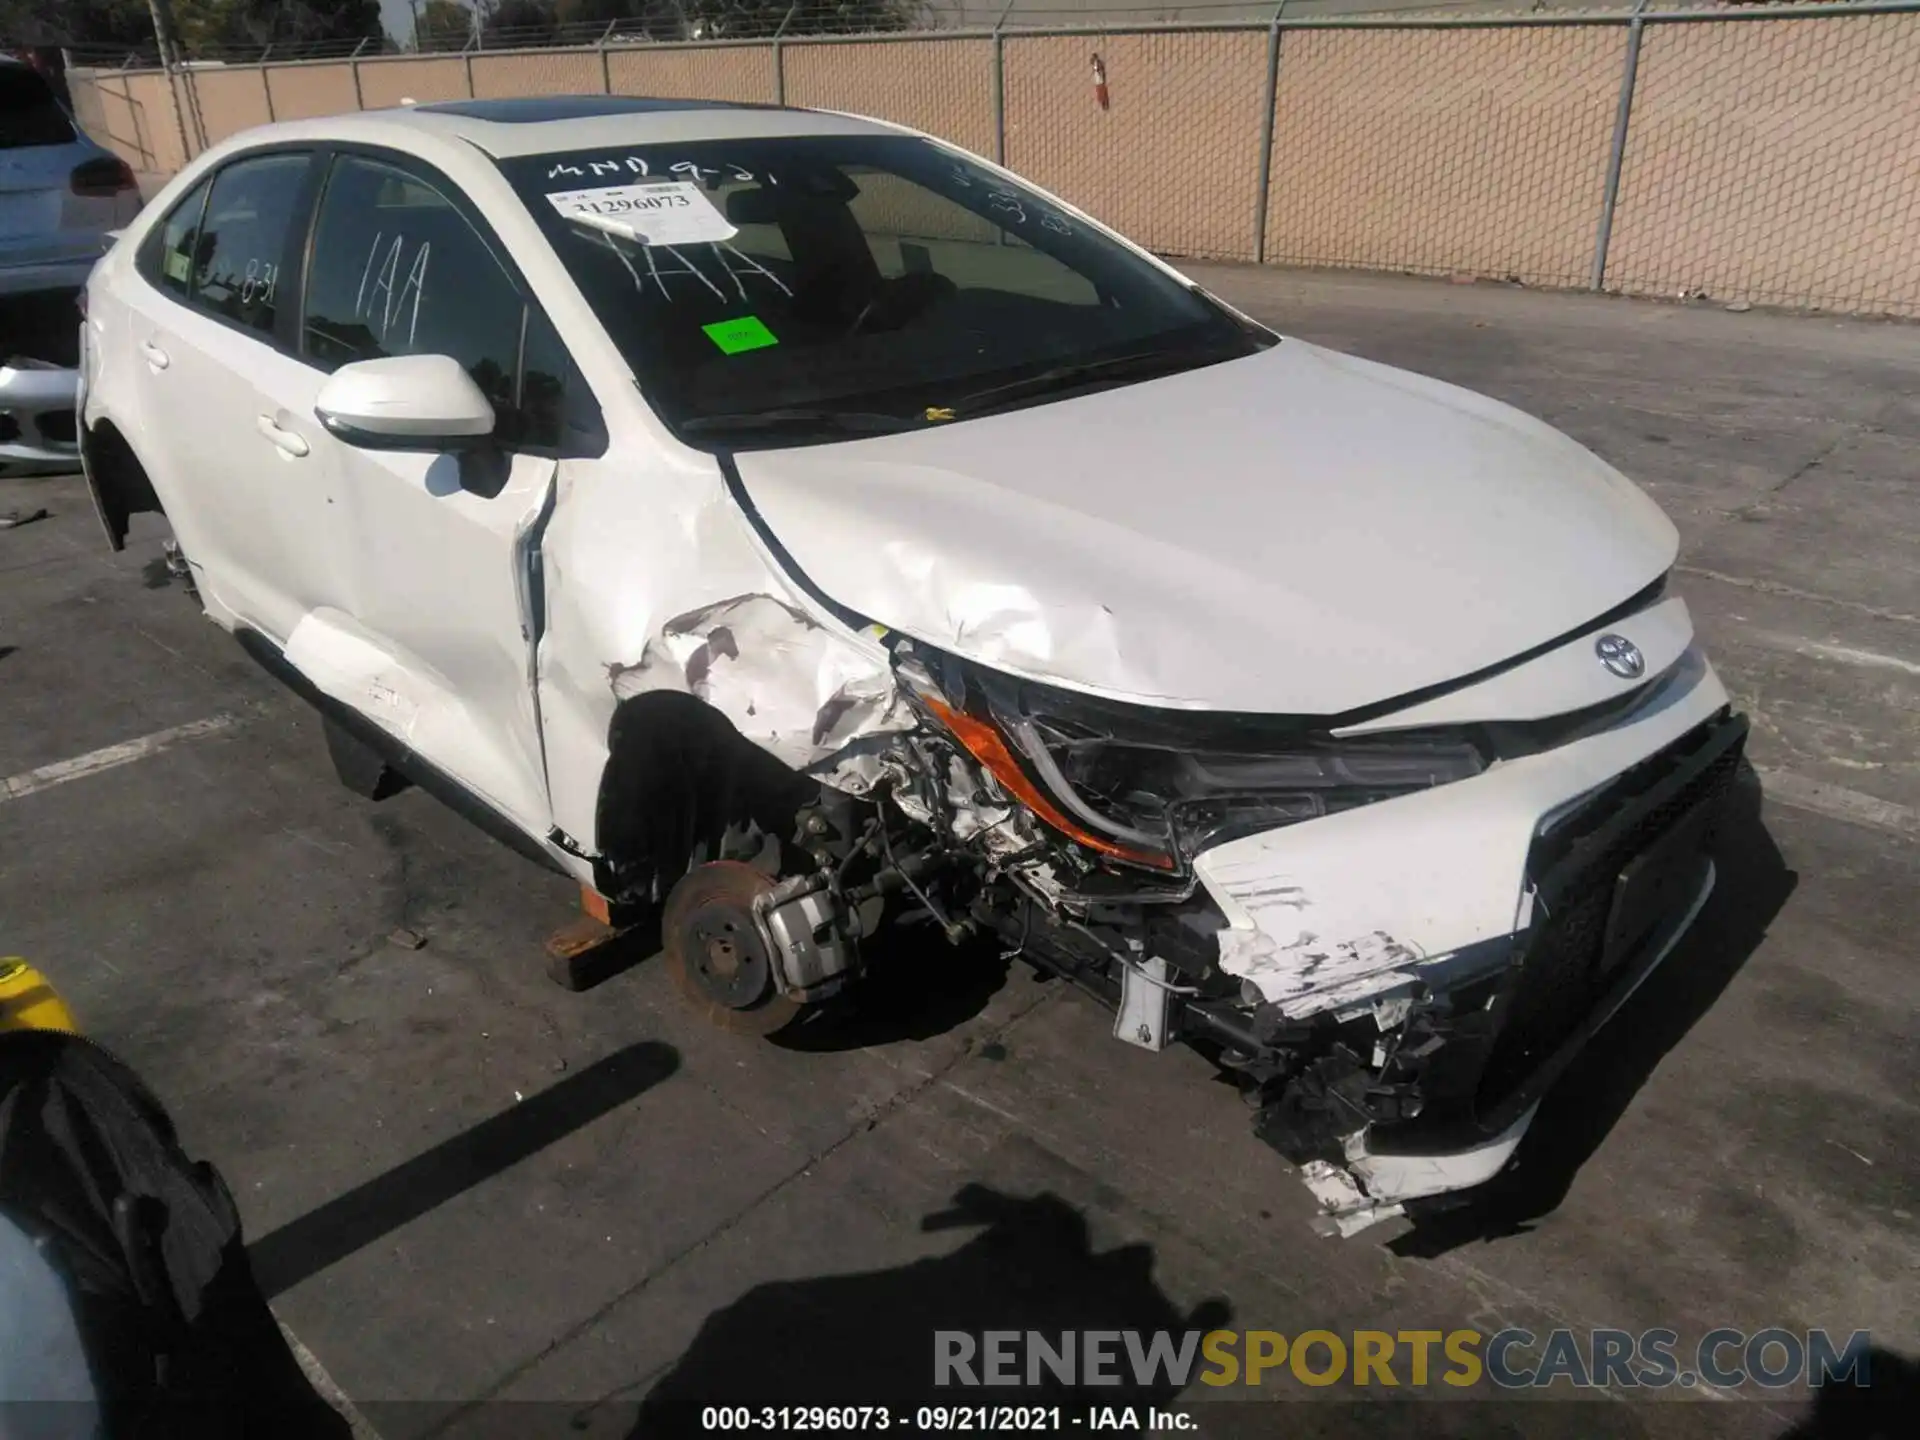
<point x="62" y="198"/>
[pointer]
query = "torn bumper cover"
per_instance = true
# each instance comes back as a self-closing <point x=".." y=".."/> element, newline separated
<point x="1396" y="946"/>
<point x="1439" y="960"/>
<point x="37" y="434"/>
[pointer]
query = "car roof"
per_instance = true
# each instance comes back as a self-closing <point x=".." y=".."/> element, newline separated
<point x="544" y="125"/>
<point x="538" y="109"/>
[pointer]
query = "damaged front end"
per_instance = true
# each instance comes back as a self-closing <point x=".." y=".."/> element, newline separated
<point x="1388" y="1070"/>
<point x="1240" y="883"/>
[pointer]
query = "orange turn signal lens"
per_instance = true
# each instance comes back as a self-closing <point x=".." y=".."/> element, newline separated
<point x="986" y="744"/>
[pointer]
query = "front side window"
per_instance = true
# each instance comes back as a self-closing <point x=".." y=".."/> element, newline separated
<point x="779" y="290"/>
<point x="398" y="270"/>
<point x="243" y="239"/>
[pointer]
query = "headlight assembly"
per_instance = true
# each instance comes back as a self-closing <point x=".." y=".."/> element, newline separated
<point x="1153" y="788"/>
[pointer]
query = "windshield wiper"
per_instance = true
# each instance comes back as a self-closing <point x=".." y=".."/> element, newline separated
<point x="855" y="422"/>
<point x="1141" y="365"/>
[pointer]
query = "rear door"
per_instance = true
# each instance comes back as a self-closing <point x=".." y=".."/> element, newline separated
<point x="436" y="624"/>
<point x="212" y="327"/>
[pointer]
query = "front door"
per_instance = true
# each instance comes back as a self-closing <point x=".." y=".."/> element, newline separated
<point x="434" y="626"/>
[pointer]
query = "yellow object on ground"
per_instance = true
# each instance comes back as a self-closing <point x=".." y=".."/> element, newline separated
<point x="28" y="1002"/>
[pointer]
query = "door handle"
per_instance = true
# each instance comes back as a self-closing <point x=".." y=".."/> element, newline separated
<point x="156" y="357"/>
<point x="286" y="440"/>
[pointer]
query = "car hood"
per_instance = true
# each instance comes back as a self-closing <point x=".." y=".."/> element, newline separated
<point x="1296" y="532"/>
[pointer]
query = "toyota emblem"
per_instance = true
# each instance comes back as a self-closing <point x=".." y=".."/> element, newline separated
<point x="1621" y="656"/>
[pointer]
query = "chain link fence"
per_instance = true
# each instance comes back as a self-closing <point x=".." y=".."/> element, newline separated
<point x="1756" y="153"/>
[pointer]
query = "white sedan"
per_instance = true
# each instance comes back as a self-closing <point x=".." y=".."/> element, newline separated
<point x="800" y="524"/>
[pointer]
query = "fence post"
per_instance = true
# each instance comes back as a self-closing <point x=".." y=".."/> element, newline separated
<point x="353" y="68"/>
<point x="780" y="56"/>
<point x="606" y="70"/>
<point x="192" y="85"/>
<point x="1000" y="87"/>
<point x="1616" y="155"/>
<point x="266" y="86"/>
<point x="1265" y="179"/>
<point x="466" y="55"/>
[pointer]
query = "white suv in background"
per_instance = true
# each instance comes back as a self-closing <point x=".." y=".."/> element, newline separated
<point x="784" y="523"/>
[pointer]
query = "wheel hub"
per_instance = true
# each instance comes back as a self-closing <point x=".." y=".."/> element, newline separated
<point x="717" y="951"/>
<point x="728" y="956"/>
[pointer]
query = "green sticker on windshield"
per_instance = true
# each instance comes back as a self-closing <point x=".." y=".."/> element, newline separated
<point x="746" y="333"/>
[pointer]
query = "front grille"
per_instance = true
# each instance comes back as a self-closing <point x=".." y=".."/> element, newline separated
<point x="1562" y="975"/>
<point x="56" y="426"/>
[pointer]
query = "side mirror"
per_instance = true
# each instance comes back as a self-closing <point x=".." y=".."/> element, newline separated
<point x="405" y="402"/>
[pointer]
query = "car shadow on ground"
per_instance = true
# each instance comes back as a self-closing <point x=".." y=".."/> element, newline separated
<point x="1883" y="1408"/>
<point x="869" y="1339"/>
<point x="1581" y="1110"/>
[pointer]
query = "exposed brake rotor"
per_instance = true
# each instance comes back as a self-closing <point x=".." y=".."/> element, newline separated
<point x="719" y="957"/>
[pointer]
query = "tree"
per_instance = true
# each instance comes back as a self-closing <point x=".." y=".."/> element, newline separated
<point x="531" y="22"/>
<point x="441" y="25"/>
<point x="204" y="26"/>
<point x="744" y="19"/>
<point x="209" y="25"/>
<point x="77" y="22"/>
<point x="518" y="22"/>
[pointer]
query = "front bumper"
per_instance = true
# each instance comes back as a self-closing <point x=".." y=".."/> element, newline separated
<point x="1438" y="960"/>
<point x="38" y="434"/>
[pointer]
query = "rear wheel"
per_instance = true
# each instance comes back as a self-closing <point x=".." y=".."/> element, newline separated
<point x="716" y="952"/>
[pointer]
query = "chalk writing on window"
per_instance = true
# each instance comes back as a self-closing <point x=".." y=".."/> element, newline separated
<point x="259" y="282"/>
<point x="386" y="297"/>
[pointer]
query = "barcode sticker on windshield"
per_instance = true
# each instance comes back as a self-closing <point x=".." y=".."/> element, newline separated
<point x="671" y="212"/>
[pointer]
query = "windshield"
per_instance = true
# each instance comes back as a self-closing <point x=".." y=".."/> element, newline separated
<point x="777" y="291"/>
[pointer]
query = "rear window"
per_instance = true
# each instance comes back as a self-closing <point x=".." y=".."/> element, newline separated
<point x="29" y="115"/>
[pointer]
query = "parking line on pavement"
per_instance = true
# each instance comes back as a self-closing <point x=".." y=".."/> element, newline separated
<point x="1837" y="802"/>
<point x="327" y="1387"/>
<point x="94" y="761"/>
<point x="1844" y="654"/>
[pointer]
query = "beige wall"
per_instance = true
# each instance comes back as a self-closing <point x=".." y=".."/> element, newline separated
<point x="1768" y="160"/>
<point x="105" y="108"/>
<point x="133" y="113"/>
<point x="230" y="100"/>
<point x="1174" y="159"/>
<point x="720" y="72"/>
<point x="303" y="91"/>
<point x="538" y="72"/>
<point x="387" y="82"/>
<point x="1777" y="163"/>
<point x="944" y="87"/>
<point x="1444" y="150"/>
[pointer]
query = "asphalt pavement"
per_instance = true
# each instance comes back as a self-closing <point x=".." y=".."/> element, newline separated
<point x="488" y="1205"/>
